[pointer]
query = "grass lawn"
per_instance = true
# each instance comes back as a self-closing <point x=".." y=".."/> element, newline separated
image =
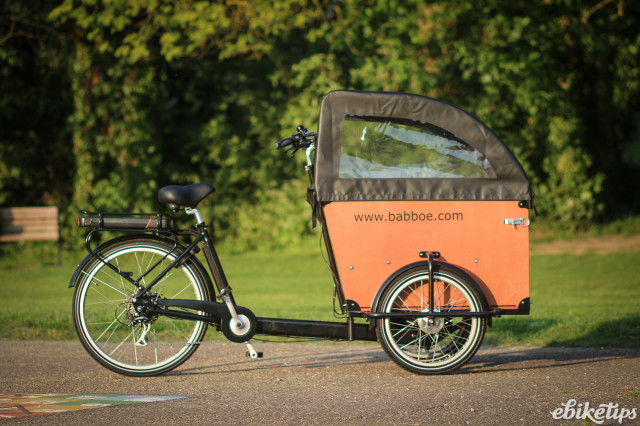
<point x="578" y="300"/>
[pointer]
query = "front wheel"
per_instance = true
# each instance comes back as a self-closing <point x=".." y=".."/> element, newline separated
<point x="431" y="345"/>
<point x="115" y="328"/>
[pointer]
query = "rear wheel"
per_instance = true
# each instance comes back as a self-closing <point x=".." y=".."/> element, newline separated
<point x="432" y="345"/>
<point x="115" y="328"/>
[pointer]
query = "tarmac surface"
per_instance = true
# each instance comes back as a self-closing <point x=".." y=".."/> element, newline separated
<point x="333" y="383"/>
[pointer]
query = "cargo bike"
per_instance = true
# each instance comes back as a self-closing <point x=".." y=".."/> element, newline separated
<point x="424" y="213"/>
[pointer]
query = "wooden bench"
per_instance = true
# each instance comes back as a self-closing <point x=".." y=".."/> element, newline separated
<point x="29" y="224"/>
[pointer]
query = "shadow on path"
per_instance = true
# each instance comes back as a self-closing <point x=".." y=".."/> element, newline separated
<point x="488" y="359"/>
<point x="510" y="359"/>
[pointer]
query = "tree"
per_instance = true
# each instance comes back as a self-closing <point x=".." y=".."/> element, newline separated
<point x="123" y="97"/>
<point x="36" y="160"/>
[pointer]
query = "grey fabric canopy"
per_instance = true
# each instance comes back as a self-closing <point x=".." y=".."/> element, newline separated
<point x="396" y="146"/>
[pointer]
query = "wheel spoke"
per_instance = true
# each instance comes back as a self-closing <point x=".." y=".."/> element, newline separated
<point x="116" y="323"/>
<point x="172" y="323"/>
<point x="94" y="278"/>
<point x="132" y="335"/>
<point x="455" y="302"/>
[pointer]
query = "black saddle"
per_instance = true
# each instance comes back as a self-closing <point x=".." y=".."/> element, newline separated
<point x="184" y="195"/>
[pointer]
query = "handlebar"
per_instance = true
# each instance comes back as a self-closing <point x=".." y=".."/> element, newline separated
<point x="285" y="142"/>
<point x="299" y="139"/>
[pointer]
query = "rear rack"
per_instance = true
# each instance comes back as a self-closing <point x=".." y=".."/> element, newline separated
<point x="124" y="221"/>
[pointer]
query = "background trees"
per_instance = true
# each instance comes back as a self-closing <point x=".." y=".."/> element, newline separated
<point x="106" y="101"/>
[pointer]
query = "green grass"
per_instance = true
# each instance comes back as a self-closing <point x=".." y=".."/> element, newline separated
<point x="635" y="394"/>
<point x="35" y="303"/>
<point x="578" y="300"/>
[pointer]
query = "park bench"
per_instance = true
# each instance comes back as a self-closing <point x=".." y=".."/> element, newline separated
<point x="29" y="224"/>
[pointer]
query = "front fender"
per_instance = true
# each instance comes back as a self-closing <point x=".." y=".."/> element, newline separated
<point x="376" y="300"/>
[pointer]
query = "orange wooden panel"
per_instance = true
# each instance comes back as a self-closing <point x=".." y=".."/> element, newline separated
<point x="373" y="239"/>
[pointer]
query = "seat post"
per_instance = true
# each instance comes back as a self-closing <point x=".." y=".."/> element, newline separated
<point x="197" y="214"/>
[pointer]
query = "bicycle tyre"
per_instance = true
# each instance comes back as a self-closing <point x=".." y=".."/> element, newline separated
<point x="443" y="345"/>
<point x="113" y="333"/>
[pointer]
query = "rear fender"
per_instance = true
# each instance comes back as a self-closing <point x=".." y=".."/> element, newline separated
<point x="201" y="270"/>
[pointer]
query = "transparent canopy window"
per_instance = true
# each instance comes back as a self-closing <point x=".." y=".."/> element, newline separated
<point x="383" y="148"/>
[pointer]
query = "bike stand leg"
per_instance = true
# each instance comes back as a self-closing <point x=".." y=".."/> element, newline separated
<point x="252" y="353"/>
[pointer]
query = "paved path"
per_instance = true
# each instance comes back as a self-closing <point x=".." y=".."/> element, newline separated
<point x="341" y="383"/>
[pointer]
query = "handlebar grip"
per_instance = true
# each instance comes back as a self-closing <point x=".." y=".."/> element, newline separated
<point x="285" y="142"/>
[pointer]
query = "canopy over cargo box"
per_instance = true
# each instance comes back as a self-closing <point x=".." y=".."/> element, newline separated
<point x="383" y="146"/>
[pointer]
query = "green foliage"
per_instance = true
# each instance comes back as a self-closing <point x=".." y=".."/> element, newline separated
<point x="276" y="219"/>
<point x="569" y="190"/>
<point x="105" y="102"/>
<point x="35" y="156"/>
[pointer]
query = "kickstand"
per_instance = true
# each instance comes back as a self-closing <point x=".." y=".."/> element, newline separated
<point x="252" y="351"/>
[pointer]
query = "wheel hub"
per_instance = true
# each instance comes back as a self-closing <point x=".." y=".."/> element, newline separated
<point x="136" y="312"/>
<point x="240" y="328"/>
<point x="431" y="325"/>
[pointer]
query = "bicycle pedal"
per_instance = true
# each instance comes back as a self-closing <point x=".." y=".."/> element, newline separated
<point x="258" y="355"/>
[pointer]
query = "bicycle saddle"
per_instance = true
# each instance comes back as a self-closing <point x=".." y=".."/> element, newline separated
<point x="184" y="195"/>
